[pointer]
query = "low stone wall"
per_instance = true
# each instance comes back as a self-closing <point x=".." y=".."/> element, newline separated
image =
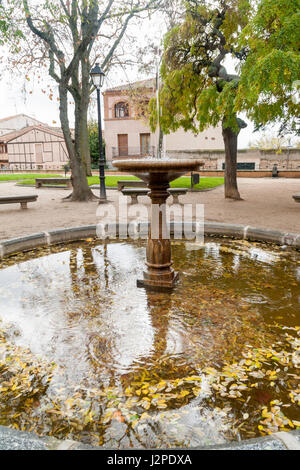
<point x="254" y="173"/>
<point x="264" y="160"/>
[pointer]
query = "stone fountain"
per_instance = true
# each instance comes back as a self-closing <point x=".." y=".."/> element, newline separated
<point x="158" y="174"/>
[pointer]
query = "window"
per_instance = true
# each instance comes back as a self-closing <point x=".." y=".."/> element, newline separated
<point x="144" y="143"/>
<point x="121" y="110"/>
<point x="123" y="144"/>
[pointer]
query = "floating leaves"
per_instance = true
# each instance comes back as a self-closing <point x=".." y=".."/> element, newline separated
<point x="216" y="347"/>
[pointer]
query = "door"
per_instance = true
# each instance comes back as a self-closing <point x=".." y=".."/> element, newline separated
<point x="145" y="144"/>
<point x="39" y="153"/>
<point x="123" y="144"/>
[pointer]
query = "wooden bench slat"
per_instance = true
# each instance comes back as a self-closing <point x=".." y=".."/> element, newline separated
<point x="135" y="192"/>
<point x="12" y="199"/>
<point x="59" y="180"/>
<point x="146" y="190"/>
<point x="23" y="200"/>
<point x="131" y="183"/>
<point x="40" y="181"/>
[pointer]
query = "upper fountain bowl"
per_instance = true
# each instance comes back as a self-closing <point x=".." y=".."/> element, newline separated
<point x="152" y="170"/>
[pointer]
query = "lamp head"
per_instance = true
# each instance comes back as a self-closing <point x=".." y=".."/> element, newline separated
<point x="97" y="75"/>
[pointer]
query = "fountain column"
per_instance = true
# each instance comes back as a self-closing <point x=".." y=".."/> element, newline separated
<point x="159" y="274"/>
<point x="158" y="174"/>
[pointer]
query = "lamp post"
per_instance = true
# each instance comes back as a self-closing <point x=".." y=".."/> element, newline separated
<point x="288" y="155"/>
<point x="98" y="75"/>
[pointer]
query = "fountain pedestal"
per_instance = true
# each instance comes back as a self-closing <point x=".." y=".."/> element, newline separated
<point x="159" y="272"/>
<point x="158" y="174"/>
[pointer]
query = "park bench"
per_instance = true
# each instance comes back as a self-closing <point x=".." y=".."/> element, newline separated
<point x="40" y="181"/>
<point x="135" y="192"/>
<point x="296" y="197"/>
<point x="23" y="200"/>
<point x="132" y="184"/>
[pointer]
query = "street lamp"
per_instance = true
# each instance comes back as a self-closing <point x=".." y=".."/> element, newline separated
<point x="98" y="75"/>
<point x="288" y="155"/>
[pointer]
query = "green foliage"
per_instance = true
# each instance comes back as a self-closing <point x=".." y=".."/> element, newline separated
<point x="197" y="90"/>
<point x="270" y="73"/>
<point x="25" y="176"/>
<point x="9" y="29"/>
<point x="94" y="143"/>
<point x="271" y="142"/>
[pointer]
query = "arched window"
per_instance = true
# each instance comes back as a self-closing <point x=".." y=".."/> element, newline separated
<point x="121" y="110"/>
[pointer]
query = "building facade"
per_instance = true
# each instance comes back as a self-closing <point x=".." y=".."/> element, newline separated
<point x="127" y="133"/>
<point x="34" y="147"/>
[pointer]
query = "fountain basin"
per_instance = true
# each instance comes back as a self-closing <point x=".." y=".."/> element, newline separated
<point x="177" y="331"/>
<point x="154" y="171"/>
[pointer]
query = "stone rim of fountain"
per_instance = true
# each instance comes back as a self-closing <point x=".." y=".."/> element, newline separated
<point x="62" y="235"/>
<point x="12" y="439"/>
<point x="21" y="440"/>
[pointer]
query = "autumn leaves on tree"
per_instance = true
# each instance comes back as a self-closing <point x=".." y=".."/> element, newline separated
<point x="69" y="36"/>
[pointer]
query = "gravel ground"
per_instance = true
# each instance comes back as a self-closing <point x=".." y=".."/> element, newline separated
<point x="267" y="203"/>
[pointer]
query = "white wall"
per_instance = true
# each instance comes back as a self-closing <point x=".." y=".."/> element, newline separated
<point x="210" y="139"/>
<point x="16" y="123"/>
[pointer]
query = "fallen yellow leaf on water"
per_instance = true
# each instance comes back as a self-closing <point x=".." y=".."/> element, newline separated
<point x="118" y="416"/>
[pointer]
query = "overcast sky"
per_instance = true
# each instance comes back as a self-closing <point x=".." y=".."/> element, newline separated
<point x="30" y="97"/>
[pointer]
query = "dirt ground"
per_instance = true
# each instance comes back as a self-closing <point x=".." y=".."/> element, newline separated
<point x="267" y="203"/>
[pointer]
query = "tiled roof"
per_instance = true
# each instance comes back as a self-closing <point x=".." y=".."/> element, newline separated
<point x="13" y="135"/>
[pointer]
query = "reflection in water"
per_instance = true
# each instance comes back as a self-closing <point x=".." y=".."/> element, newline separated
<point x="78" y="305"/>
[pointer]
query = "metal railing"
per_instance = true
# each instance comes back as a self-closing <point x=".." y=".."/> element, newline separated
<point x="132" y="152"/>
<point x="23" y="167"/>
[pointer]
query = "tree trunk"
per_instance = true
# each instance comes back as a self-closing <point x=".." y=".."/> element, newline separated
<point x="84" y="106"/>
<point x="81" y="122"/>
<point x="230" y="141"/>
<point x="81" y="190"/>
<point x="84" y="147"/>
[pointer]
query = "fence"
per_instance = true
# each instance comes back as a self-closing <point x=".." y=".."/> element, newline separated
<point x="132" y="152"/>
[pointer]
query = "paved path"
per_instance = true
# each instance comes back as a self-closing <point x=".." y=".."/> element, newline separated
<point x="267" y="203"/>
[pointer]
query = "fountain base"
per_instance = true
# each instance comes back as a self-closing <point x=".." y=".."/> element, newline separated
<point x="158" y="284"/>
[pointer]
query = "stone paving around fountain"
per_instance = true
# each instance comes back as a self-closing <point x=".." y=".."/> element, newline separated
<point x="267" y="203"/>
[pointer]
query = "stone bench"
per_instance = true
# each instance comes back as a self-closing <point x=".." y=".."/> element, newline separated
<point x="132" y="184"/>
<point x="296" y="197"/>
<point x="134" y="193"/>
<point x="23" y="200"/>
<point x="40" y="181"/>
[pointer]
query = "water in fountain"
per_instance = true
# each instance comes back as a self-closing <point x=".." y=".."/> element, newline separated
<point x="215" y="359"/>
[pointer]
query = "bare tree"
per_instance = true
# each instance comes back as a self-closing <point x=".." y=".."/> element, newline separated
<point x="65" y="36"/>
